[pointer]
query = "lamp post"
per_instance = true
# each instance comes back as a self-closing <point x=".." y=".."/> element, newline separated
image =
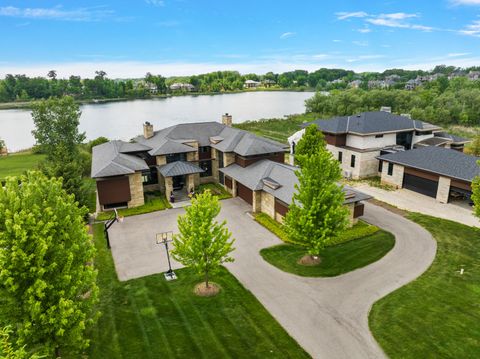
<point x="109" y="223"/>
<point x="164" y="238"/>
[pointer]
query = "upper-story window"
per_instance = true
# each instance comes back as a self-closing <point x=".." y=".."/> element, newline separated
<point x="423" y="133"/>
<point x="204" y="149"/>
<point x="378" y="136"/>
<point x="173" y="157"/>
<point x="352" y="161"/>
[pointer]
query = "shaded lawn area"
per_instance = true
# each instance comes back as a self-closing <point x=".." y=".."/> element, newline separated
<point x="437" y="315"/>
<point x="154" y="201"/>
<point x="336" y="260"/>
<point x="216" y="189"/>
<point x="152" y="318"/>
<point x="17" y="163"/>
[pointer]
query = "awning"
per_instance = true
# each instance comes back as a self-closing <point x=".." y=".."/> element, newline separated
<point x="179" y="168"/>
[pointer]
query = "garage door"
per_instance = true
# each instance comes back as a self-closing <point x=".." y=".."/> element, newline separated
<point x="245" y="193"/>
<point x="420" y="185"/>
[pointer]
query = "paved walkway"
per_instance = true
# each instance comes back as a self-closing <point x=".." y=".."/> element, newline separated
<point x="327" y="316"/>
<point x="416" y="202"/>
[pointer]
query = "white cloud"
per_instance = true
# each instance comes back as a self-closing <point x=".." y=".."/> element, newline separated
<point x="465" y="2"/>
<point x="336" y="40"/>
<point x="471" y="30"/>
<point x="57" y="13"/>
<point x="360" y="43"/>
<point x="346" y="15"/>
<point x="158" y="3"/>
<point x="458" y="54"/>
<point x="286" y="35"/>
<point x="365" y="30"/>
<point x="364" y="57"/>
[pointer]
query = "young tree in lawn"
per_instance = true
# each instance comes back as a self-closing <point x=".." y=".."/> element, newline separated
<point x="47" y="282"/>
<point x="317" y="215"/>
<point x="476" y="194"/>
<point x="203" y="243"/>
<point x="311" y="141"/>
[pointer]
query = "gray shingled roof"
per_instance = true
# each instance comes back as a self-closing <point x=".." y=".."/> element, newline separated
<point x="254" y="175"/>
<point x="179" y="168"/>
<point x="107" y="160"/>
<point x="439" y="160"/>
<point x="433" y="141"/>
<point x="453" y="138"/>
<point x="370" y="122"/>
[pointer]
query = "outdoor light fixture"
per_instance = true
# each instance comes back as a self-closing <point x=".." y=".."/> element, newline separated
<point x="165" y="238"/>
<point x="109" y="223"/>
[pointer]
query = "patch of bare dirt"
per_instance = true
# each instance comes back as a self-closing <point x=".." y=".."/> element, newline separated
<point x="203" y="291"/>
<point x="309" y="260"/>
<point x="388" y="207"/>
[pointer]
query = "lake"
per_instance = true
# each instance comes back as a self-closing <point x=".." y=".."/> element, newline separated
<point x="123" y="120"/>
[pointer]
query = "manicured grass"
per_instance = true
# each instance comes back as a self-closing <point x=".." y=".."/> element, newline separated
<point x="216" y="189"/>
<point x="437" y="315"/>
<point x="359" y="230"/>
<point x="154" y="201"/>
<point x="16" y="164"/>
<point x="152" y="318"/>
<point x="336" y="260"/>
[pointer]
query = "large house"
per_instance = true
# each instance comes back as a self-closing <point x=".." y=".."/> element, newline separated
<point x="357" y="140"/>
<point x="177" y="159"/>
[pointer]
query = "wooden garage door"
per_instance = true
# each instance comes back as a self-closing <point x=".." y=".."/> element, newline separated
<point x="245" y="193"/>
<point x="113" y="190"/>
<point x="421" y="185"/>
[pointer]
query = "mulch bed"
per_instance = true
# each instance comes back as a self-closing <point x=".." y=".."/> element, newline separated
<point x="202" y="291"/>
<point x="308" y="260"/>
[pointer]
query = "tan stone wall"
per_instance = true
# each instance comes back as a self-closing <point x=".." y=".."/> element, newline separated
<point x="168" y="187"/>
<point x="396" y="179"/>
<point x="161" y="160"/>
<point x="257" y="201"/>
<point x="267" y="204"/>
<point x="366" y="165"/>
<point x="161" y="182"/>
<point x="351" y="208"/>
<point x="279" y="218"/>
<point x="443" y="191"/>
<point x="192" y="181"/>
<point x="215" y="165"/>
<point x="228" y="158"/>
<point x="234" y="188"/>
<point x="136" y="190"/>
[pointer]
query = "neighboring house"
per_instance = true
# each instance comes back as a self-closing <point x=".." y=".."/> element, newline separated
<point x="355" y="84"/>
<point x="269" y="187"/>
<point x="177" y="86"/>
<point x="251" y="84"/>
<point x="152" y="88"/>
<point x="437" y="172"/>
<point x="268" y="83"/>
<point x="179" y="158"/>
<point x="357" y="140"/>
<point x="473" y="75"/>
<point x="413" y="84"/>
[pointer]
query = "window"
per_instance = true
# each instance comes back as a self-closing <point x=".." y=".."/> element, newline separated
<point x="207" y="167"/>
<point x="380" y="166"/>
<point x="390" y="169"/>
<point x="173" y="157"/>
<point x="352" y="161"/>
<point x="378" y="136"/>
<point x="204" y="149"/>
<point x="423" y="133"/>
<point x="340" y="154"/>
<point x="150" y="176"/>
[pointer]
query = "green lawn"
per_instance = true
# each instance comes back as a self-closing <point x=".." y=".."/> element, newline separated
<point x="336" y="260"/>
<point x="216" y="189"/>
<point x="17" y="163"/>
<point x="154" y="201"/>
<point x="437" y="315"/>
<point x="152" y="318"/>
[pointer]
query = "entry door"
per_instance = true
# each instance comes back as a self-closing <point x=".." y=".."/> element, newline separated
<point x="420" y="185"/>
<point x="178" y="182"/>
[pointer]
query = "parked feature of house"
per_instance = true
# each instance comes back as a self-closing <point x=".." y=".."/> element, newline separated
<point x="363" y="137"/>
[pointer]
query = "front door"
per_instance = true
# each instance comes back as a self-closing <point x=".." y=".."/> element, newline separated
<point x="178" y="182"/>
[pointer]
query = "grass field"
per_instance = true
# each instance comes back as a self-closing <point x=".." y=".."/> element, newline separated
<point x="17" y="163"/>
<point x="336" y="260"/>
<point x="152" y="318"/>
<point x="437" y="315"/>
<point x="216" y="189"/>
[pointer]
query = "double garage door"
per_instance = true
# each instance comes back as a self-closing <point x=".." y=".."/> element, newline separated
<point x="245" y="193"/>
<point x="421" y="185"/>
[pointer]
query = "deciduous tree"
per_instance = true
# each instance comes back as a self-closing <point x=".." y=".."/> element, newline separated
<point x="312" y="141"/>
<point x="203" y="243"/>
<point x="47" y="279"/>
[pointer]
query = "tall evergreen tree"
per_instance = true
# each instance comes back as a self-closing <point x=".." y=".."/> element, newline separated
<point x="47" y="279"/>
<point x="317" y="214"/>
<point x="203" y="243"/>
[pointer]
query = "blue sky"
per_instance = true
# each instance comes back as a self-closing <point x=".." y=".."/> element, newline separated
<point x="179" y="37"/>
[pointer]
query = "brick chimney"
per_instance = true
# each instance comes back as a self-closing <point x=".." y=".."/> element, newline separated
<point x="227" y="120"/>
<point x="147" y="130"/>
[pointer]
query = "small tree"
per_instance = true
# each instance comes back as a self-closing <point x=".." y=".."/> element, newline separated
<point x="312" y="140"/>
<point x="475" y="146"/>
<point x="47" y="280"/>
<point x="476" y="194"/>
<point x="8" y="350"/>
<point x="317" y="214"/>
<point x="203" y="243"/>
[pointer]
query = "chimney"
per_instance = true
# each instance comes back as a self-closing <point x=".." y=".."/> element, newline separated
<point x="227" y="120"/>
<point x="147" y="130"/>
<point x="386" y="109"/>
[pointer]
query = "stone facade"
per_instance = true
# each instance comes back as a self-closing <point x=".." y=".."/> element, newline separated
<point x="396" y="179"/>
<point x="168" y="187"/>
<point x="268" y="204"/>
<point x="257" y="201"/>
<point x="136" y="190"/>
<point x="228" y="158"/>
<point x="279" y="218"/>
<point x="161" y="160"/>
<point x="351" y="209"/>
<point x="443" y="191"/>
<point x="366" y="164"/>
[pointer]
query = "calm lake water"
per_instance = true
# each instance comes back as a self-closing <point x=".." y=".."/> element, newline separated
<point x="123" y="120"/>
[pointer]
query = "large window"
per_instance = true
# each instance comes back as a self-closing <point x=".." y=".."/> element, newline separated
<point x="150" y="176"/>
<point x="221" y="177"/>
<point x="173" y="157"/>
<point x="390" y="169"/>
<point x="207" y="167"/>
<point x="352" y="161"/>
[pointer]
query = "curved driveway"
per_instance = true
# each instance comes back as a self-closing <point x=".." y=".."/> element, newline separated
<point x="328" y="316"/>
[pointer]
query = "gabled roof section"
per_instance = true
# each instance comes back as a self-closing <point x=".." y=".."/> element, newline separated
<point x="439" y="160"/>
<point x="281" y="175"/>
<point x="371" y="122"/>
<point x="453" y="138"/>
<point x="107" y="160"/>
<point x="129" y="147"/>
<point x="179" y="168"/>
<point x="167" y="146"/>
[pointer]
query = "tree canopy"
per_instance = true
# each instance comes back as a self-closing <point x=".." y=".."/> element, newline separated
<point x="47" y="282"/>
<point x="312" y="140"/>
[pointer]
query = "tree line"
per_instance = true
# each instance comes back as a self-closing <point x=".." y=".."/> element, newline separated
<point x="442" y="101"/>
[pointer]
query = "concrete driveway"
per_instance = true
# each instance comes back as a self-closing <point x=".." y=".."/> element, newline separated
<point x="327" y="316"/>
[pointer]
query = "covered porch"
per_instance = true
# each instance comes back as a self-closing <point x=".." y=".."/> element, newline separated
<point x="177" y="179"/>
